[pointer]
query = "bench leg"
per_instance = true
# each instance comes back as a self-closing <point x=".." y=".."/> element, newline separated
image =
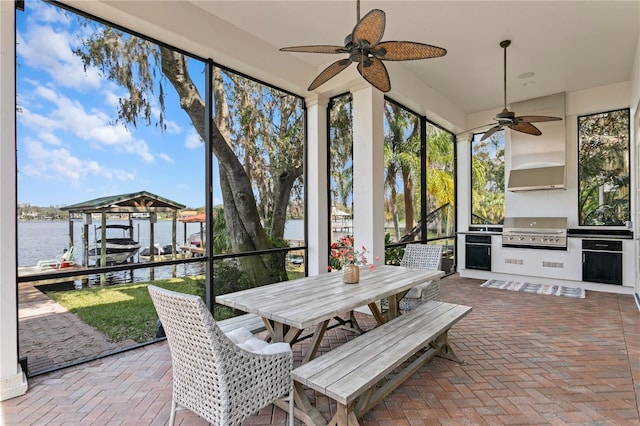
<point x="303" y="409"/>
<point x="447" y="351"/>
<point x="438" y="347"/>
<point x="344" y="416"/>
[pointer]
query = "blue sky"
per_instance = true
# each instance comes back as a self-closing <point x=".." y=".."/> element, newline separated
<point x="69" y="150"/>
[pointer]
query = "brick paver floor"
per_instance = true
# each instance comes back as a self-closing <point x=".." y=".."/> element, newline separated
<point x="52" y="337"/>
<point x="529" y="359"/>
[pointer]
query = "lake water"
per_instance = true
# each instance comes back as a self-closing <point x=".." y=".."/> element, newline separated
<point x="39" y="240"/>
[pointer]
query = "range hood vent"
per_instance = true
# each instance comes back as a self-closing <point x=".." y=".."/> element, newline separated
<point x="552" y="177"/>
<point x="538" y="162"/>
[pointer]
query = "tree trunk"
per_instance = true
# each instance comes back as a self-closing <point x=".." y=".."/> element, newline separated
<point x="408" y="201"/>
<point x="241" y="214"/>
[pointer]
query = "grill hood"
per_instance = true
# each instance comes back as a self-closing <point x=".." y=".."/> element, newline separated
<point x="552" y="177"/>
<point x="538" y="162"/>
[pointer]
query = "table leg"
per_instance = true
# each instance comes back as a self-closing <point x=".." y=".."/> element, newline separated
<point x="376" y="313"/>
<point x="314" y="345"/>
<point x="276" y="330"/>
<point x="279" y="332"/>
<point x="394" y="303"/>
<point x="354" y="323"/>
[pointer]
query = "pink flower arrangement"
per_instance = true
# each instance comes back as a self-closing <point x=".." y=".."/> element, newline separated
<point x="343" y="253"/>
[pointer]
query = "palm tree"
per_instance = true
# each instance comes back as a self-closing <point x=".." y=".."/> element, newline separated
<point x="402" y="160"/>
<point x="440" y="179"/>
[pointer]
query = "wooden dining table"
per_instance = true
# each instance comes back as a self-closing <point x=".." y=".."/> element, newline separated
<point x="287" y="308"/>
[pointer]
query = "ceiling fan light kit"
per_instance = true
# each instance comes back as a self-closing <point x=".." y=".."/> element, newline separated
<point x="365" y="48"/>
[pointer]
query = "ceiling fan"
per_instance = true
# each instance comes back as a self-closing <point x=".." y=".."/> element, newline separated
<point x="364" y="47"/>
<point x="506" y="118"/>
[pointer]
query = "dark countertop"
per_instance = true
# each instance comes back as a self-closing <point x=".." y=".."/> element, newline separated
<point x="482" y="230"/>
<point x="604" y="234"/>
<point x="610" y="234"/>
<point x="479" y="233"/>
<point x="601" y="237"/>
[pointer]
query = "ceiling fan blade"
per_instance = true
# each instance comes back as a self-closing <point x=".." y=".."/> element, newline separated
<point x="321" y="48"/>
<point x="527" y="128"/>
<point x="376" y="74"/>
<point x="475" y="128"/>
<point x="536" y="118"/>
<point x="490" y="132"/>
<point x="407" y="50"/>
<point x="329" y="72"/>
<point x="370" y="28"/>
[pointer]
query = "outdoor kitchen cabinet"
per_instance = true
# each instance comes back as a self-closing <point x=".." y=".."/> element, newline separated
<point x="477" y="250"/>
<point x="602" y="261"/>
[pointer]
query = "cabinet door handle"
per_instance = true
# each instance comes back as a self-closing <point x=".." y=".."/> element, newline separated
<point x="584" y="258"/>
<point x="489" y="251"/>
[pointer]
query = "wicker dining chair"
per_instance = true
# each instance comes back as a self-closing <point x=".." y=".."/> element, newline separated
<point x="212" y="376"/>
<point x="421" y="256"/>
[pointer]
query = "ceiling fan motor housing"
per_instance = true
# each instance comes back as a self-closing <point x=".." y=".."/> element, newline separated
<point x="348" y="41"/>
<point x="505" y="115"/>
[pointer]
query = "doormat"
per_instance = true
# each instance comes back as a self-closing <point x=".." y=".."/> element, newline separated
<point x="556" y="290"/>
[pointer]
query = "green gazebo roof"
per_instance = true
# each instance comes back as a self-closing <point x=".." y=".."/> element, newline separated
<point x="125" y="203"/>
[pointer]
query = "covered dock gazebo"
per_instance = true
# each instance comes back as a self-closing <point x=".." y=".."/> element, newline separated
<point x="140" y="204"/>
<point x="200" y="218"/>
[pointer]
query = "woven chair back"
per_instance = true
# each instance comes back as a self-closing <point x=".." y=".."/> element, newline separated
<point x="211" y="375"/>
<point x="422" y="256"/>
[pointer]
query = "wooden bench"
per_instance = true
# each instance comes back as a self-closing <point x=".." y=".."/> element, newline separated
<point x="251" y="322"/>
<point x="354" y="374"/>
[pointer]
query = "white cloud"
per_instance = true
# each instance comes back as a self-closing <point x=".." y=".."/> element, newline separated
<point x="93" y="127"/>
<point x="43" y="48"/>
<point x="111" y="98"/>
<point x="172" y="127"/>
<point x="50" y="138"/>
<point x="193" y="141"/>
<point x="42" y="12"/>
<point x="166" y="158"/>
<point x="60" y="164"/>
<point x="140" y="148"/>
<point x="46" y="93"/>
<point x="36" y="121"/>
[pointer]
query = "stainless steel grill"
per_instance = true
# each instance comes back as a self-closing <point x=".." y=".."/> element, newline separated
<point x="535" y="232"/>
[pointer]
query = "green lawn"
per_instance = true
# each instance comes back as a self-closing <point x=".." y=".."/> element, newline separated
<point x="123" y="311"/>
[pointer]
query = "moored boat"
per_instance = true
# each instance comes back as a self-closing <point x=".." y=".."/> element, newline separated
<point x="195" y="239"/>
<point x="157" y="250"/>
<point x="118" y="249"/>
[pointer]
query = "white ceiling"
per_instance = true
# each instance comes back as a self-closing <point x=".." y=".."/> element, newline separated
<point x="569" y="45"/>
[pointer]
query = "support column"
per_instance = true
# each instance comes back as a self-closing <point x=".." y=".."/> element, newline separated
<point x="317" y="186"/>
<point x="368" y="171"/>
<point x="463" y="182"/>
<point x="13" y="381"/>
